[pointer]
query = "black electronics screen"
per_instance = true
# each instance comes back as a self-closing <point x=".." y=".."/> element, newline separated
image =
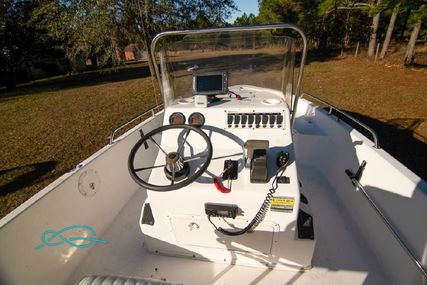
<point x="209" y="83"/>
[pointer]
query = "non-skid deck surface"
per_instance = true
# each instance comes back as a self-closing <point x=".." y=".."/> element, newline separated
<point x="340" y="256"/>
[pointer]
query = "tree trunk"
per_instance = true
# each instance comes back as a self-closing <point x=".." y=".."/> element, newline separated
<point x="346" y="43"/>
<point x="389" y="32"/>
<point x="405" y="23"/>
<point x="323" y="37"/>
<point x="410" y="50"/>
<point x="146" y="37"/>
<point x="147" y="42"/>
<point x="11" y="78"/>
<point x="94" y="60"/>
<point x="115" y="52"/>
<point x="373" y="37"/>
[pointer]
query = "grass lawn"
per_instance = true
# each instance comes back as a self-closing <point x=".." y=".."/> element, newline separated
<point x="49" y="127"/>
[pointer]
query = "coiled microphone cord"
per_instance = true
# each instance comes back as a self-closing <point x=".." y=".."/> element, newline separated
<point x="259" y="216"/>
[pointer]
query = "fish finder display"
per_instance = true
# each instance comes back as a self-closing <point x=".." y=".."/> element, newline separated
<point x="210" y="84"/>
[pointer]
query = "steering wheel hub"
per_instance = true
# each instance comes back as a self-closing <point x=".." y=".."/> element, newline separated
<point x="175" y="169"/>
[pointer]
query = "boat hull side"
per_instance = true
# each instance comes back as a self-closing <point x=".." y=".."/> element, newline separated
<point x="331" y="146"/>
<point x="91" y="195"/>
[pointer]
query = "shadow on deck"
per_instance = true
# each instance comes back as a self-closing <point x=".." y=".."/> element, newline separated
<point x="400" y="138"/>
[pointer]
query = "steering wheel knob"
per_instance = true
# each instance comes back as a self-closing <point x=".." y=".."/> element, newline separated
<point x="172" y="157"/>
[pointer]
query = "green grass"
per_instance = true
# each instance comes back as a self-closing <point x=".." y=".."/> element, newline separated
<point x="49" y="127"/>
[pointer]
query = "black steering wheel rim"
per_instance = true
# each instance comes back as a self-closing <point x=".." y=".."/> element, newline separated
<point x="178" y="185"/>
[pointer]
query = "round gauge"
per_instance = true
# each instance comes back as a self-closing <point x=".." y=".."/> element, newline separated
<point x="196" y="119"/>
<point x="177" y="118"/>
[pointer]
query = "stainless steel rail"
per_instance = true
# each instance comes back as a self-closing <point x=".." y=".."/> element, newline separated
<point x="332" y="107"/>
<point x="389" y="225"/>
<point x="236" y="29"/>
<point x="114" y="131"/>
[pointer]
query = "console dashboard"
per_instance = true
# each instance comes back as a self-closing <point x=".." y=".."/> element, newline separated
<point x="250" y="133"/>
<point x="255" y="109"/>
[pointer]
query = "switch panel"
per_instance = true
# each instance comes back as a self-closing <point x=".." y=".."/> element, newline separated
<point x="255" y="120"/>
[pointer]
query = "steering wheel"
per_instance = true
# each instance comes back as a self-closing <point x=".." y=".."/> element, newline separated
<point x="176" y="167"/>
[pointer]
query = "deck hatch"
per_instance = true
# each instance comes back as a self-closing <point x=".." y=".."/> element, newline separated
<point x="195" y="231"/>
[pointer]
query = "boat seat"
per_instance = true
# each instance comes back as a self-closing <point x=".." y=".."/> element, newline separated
<point x="121" y="280"/>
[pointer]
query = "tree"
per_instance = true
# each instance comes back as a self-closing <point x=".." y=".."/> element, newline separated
<point x="304" y="13"/>
<point x="418" y="18"/>
<point x="84" y="28"/>
<point x="390" y="30"/>
<point x="273" y="11"/>
<point x="180" y="14"/>
<point x="341" y="18"/>
<point x="246" y="20"/>
<point x="396" y="7"/>
<point x="374" y="29"/>
<point x="20" y="42"/>
<point x="201" y="13"/>
<point x="102" y="27"/>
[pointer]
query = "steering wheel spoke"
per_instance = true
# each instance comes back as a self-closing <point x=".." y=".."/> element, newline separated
<point x="181" y="147"/>
<point x="192" y="158"/>
<point x="149" y="167"/>
<point x="151" y="138"/>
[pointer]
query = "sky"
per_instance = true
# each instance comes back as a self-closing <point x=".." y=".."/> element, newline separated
<point x="245" y="6"/>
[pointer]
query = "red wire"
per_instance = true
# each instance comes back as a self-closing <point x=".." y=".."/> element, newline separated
<point x="219" y="185"/>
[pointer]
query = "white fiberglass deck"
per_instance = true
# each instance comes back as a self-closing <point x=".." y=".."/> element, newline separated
<point x="340" y="257"/>
<point x="352" y="245"/>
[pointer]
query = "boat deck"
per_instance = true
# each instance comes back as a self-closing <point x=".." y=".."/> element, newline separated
<point x="340" y="257"/>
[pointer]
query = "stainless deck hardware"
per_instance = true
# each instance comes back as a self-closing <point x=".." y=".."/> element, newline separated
<point x="152" y="111"/>
<point x="386" y="221"/>
<point x="358" y="174"/>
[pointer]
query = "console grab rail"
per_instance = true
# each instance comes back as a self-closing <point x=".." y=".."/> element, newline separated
<point x="115" y="130"/>
<point x="332" y="107"/>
